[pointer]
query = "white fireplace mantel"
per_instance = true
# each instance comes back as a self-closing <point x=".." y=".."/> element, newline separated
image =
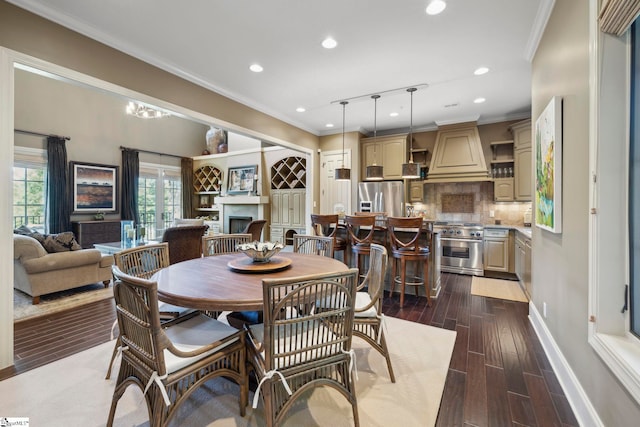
<point x="243" y="200"/>
<point x="254" y="206"/>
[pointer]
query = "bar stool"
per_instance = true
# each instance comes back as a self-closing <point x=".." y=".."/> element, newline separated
<point x="360" y="246"/>
<point x="327" y="226"/>
<point x="406" y="248"/>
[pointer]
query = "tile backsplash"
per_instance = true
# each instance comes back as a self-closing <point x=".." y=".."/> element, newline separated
<point x="509" y="213"/>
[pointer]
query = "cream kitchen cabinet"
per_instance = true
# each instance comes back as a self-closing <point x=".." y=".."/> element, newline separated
<point x="416" y="191"/>
<point x="502" y="164"/>
<point x="503" y="189"/>
<point x="287" y="214"/>
<point x="523" y="169"/>
<point x="523" y="261"/>
<point x="523" y="187"/>
<point x="521" y="134"/>
<point x="496" y="249"/>
<point x="390" y="152"/>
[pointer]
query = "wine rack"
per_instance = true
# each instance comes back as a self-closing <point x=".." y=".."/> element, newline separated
<point x="290" y="172"/>
<point x="207" y="179"/>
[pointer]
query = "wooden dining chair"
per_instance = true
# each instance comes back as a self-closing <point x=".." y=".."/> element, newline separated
<point x="360" y="231"/>
<point x="220" y="244"/>
<point x="255" y="229"/>
<point x="315" y="245"/>
<point x="328" y="225"/>
<point x="169" y="364"/>
<point x="368" y="320"/>
<point x="296" y="350"/>
<point x="406" y="248"/>
<point x="144" y="262"/>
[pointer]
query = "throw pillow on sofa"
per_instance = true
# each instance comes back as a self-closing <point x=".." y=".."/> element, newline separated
<point x="24" y="230"/>
<point x="61" y="242"/>
<point x="52" y="243"/>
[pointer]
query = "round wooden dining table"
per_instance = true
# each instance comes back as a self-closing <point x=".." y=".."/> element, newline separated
<point x="209" y="283"/>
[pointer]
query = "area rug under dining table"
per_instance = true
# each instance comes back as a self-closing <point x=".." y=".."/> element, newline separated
<point x="73" y="391"/>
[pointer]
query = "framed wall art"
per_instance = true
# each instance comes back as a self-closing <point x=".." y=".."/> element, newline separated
<point x="242" y="179"/>
<point x="548" y="168"/>
<point x="94" y="188"/>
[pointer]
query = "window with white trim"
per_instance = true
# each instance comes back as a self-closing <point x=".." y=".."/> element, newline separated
<point x="612" y="237"/>
<point x="29" y="189"/>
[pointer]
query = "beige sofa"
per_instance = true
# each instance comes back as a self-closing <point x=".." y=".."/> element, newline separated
<point x="37" y="272"/>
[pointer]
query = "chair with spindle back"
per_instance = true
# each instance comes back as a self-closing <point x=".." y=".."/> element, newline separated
<point x="316" y="245"/>
<point x="220" y="244"/>
<point x="368" y="322"/>
<point x="296" y="350"/>
<point x="171" y="362"/>
<point x="144" y="262"/>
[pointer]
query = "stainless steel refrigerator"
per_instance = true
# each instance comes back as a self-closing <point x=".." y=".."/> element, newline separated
<point x="386" y="196"/>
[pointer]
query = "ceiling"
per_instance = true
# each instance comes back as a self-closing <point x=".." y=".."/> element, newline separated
<point x="383" y="48"/>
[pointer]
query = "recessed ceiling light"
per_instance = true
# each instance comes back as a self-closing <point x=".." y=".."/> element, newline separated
<point x="329" y="125"/>
<point x="256" y="68"/>
<point x="394" y="114"/>
<point x="479" y="100"/>
<point x="329" y="43"/>
<point x="435" y="7"/>
<point x="480" y="71"/>
<point x="301" y="109"/>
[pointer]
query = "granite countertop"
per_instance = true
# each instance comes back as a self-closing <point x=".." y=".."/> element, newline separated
<point x="524" y="230"/>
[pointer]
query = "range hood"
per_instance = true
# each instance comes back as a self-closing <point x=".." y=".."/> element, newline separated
<point x="458" y="155"/>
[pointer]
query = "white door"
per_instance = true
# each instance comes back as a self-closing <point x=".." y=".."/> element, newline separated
<point x="334" y="195"/>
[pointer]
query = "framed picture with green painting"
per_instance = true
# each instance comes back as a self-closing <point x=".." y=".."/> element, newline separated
<point x="548" y="151"/>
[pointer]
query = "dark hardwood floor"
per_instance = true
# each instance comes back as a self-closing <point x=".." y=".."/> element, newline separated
<point x="498" y="375"/>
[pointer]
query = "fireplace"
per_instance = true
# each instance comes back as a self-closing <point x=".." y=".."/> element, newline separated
<point x="238" y="223"/>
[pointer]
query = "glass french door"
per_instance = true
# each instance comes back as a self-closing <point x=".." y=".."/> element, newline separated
<point x="159" y="198"/>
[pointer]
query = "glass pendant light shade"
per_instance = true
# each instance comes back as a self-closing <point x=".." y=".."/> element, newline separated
<point x="343" y="174"/>
<point x="374" y="172"/>
<point x="411" y="170"/>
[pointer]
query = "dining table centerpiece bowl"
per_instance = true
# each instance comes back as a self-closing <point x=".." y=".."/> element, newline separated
<point x="260" y="252"/>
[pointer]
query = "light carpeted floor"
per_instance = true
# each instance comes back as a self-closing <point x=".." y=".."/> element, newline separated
<point x="73" y="392"/>
<point x="497" y="288"/>
<point x="23" y="309"/>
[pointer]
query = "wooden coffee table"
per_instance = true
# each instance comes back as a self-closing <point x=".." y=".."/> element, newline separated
<point x="210" y="284"/>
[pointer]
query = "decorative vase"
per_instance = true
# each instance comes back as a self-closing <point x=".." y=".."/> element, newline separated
<point x="127" y="233"/>
<point x="216" y="141"/>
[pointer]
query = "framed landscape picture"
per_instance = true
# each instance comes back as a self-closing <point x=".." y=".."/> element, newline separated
<point x="94" y="187"/>
<point x="242" y="179"/>
<point x="548" y="152"/>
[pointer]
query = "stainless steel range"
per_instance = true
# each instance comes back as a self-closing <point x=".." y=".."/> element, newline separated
<point x="462" y="247"/>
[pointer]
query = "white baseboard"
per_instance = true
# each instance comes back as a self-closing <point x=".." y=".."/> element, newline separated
<point x="583" y="410"/>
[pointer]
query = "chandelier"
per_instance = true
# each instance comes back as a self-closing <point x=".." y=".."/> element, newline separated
<point x="144" y="111"/>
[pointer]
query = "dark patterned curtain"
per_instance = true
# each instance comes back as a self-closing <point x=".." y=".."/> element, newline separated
<point x="58" y="204"/>
<point x="130" y="175"/>
<point x="187" y="187"/>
